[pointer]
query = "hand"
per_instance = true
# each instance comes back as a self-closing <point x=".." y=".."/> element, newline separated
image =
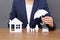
<point x="48" y="20"/>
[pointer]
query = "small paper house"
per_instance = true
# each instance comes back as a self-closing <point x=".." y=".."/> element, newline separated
<point x="17" y="25"/>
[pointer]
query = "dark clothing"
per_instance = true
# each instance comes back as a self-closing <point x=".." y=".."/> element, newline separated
<point x="19" y="11"/>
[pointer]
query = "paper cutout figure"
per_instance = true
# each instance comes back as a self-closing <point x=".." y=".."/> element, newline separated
<point x="28" y="28"/>
<point x="32" y="29"/>
<point x="45" y="30"/>
<point x="36" y="28"/>
<point x="40" y="13"/>
<point x="17" y="25"/>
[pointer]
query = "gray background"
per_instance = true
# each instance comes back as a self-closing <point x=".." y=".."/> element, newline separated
<point x="5" y="7"/>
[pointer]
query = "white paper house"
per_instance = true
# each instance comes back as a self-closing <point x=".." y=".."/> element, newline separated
<point x="17" y="25"/>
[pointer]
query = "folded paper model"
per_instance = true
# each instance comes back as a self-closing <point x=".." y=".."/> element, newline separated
<point x="17" y="25"/>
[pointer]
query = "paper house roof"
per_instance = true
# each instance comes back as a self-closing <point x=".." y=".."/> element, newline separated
<point x="15" y="21"/>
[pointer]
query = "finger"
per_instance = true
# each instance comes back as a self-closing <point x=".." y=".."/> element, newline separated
<point x="47" y="22"/>
<point x="47" y="19"/>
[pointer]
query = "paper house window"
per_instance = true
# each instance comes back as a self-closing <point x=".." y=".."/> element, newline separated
<point x="17" y="24"/>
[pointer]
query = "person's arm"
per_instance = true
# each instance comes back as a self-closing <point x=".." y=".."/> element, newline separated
<point x="52" y="28"/>
<point x="49" y="22"/>
<point x="13" y="11"/>
<point x="44" y="6"/>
